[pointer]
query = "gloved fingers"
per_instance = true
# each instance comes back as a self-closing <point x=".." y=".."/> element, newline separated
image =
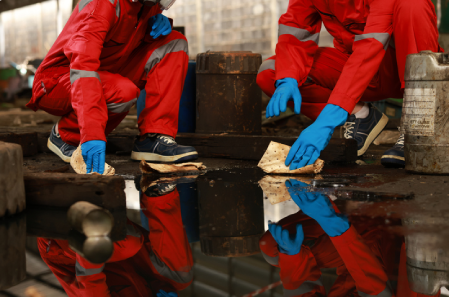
<point x="272" y="229"/>
<point x="270" y="105"/>
<point x="87" y="156"/>
<point x="286" y="237"/>
<point x="278" y="233"/>
<point x="157" y="21"/>
<point x="314" y="157"/>
<point x="96" y="162"/>
<point x="304" y="158"/>
<point x="299" y="234"/>
<point x="298" y="157"/>
<point x="292" y="153"/>
<point x="167" y="28"/>
<point x="277" y="103"/>
<point x="297" y="99"/>
<point x="283" y="102"/>
<point x="172" y="294"/>
<point x="298" y="184"/>
<point x="102" y="162"/>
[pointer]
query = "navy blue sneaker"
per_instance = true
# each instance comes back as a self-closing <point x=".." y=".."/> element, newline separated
<point x="59" y="147"/>
<point x="366" y="130"/>
<point x="394" y="157"/>
<point x="158" y="148"/>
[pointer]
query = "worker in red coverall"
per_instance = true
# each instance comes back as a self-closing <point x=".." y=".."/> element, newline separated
<point x="318" y="236"/>
<point x="372" y="39"/>
<point x="156" y="263"/>
<point x="108" y="51"/>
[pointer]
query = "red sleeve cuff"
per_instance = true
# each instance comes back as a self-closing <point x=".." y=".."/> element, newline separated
<point x="344" y="101"/>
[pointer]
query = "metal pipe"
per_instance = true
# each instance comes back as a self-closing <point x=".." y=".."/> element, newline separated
<point x="90" y="219"/>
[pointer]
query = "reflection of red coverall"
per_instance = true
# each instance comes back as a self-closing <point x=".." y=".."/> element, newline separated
<point x="366" y="64"/>
<point x="94" y="72"/>
<point x="141" y="265"/>
<point x="365" y="258"/>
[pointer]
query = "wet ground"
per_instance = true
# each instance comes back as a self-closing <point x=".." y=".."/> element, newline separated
<point x="212" y="223"/>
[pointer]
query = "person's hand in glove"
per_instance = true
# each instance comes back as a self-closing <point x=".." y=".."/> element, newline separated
<point x="318" y="207"/>
<point x="94" y="154"/>
<point x="290" y="245"/>
<point x="162" y="293"/>
<point x="160" y="25"/>
<point x="286" y="90"/>
<point x="308" y="146"/>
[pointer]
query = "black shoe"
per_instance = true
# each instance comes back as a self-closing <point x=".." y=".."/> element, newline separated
<point x="162" y="149"/>
<point x="59" y="147"/>
<point x="365" y="131"/>
<point x="394" y="157"/>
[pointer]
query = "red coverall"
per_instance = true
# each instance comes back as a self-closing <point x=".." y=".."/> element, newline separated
<point x="95" y="70"/>
<point x="372" y="39"/>
<point x="141" y="265"/>
<point x="366" y="259"/>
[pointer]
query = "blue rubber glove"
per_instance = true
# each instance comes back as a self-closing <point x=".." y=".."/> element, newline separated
<point x="318" y="207"/>
<point x="94" y="154"/>
<point x="160" y="25"/>
<point x="290" y="245"/>
<point x="286" y="90"/>
<point x="315" y="138"/>
<point x="162" y="293"/>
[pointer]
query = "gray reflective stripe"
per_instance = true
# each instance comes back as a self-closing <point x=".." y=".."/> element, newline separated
<point x="83" y="3"/>
<point x="385" y="293"/>
<point x="300" y="34"/>
<point x="81" y="271"/>
<point x="130" y="230"/>
<point x="180" y="277"/>
<point x="271" y="260"/>
<point x="267" y="64"/>
<point x="383" y="38"/>
<point x="121" y="107"/>
<point x="173" y="46"/>
<point x="76" y="74"/>
<point x="117" y="8"/>
<point x="306" y="287"/>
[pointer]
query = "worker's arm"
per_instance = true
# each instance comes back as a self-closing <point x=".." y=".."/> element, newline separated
<point x="94" y="21"/>
<point x="368" y="52"/>
<point x="299" y="30"/>
<point x="170" y="250"/>
<point x="299" y="272"/>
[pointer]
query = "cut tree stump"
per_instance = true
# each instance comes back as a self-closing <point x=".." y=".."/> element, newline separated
<point x="12" y="190"/>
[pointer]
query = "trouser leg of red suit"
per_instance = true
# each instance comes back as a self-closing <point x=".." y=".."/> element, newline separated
<point x="161" y="68"/>
<point x="120" y="94"/>
<point x="324" y="74"/>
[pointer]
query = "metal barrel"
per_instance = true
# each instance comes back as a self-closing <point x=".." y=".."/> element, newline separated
<point x="228" y="97"/>
<point x="231" y="215"/>
<point x="96" y="249"/>
<point x="425" y="118"/>
<point x="90" y="219"/>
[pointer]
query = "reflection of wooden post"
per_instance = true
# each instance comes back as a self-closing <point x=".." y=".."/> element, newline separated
<point x="74" y="3"/>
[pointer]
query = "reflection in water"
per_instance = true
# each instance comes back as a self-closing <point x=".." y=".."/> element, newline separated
<point x="346" y="245"/>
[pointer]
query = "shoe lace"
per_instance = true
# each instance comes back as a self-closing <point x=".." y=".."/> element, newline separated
<point x="167" y="139"/>
<point x="400" y="140"/>
<point x="349" y="129"/>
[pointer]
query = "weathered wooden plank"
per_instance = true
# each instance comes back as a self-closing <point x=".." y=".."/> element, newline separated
<point x="27" y="140"/>
<point x="64" y="189"/>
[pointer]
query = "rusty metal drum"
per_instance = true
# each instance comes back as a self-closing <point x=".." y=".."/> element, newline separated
<point x="425" y="118"/>
<point x="228" y="97"/>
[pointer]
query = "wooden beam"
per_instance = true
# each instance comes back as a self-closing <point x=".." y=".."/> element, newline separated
<point x="6" y="5"/>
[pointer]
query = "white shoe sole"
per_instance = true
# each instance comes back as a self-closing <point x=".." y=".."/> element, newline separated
<point x="373" y="135"/>
<point x="57" y="151"/>
<point x="150" y="157"/>
<point x="393" y="157"/>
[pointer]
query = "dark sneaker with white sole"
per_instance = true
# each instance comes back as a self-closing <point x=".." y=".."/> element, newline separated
<point x="160" y="148"/>
<point x="366" y="130"/>
<point x="394" y="157"/>
<point x="59" y="147"/>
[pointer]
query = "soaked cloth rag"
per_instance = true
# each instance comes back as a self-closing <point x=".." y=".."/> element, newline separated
<point x="273" y="161"/>
<point x="78" y="164"/>
<point x="148" y="168"/>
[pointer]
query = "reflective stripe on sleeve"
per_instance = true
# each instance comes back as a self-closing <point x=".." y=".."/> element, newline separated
<point x="300" y="34"/>
<point x="177" y="45"/>
<point x="81" y="271"/>
<point x="271" y="260"/>
<point x="383" y="38"/>
<point x="306" y="287"/>
<point x="76" y="74"/>
<point x="180" y="277"/>
<point x="121" y="107"/>
<point x="267" y="64"/>
<point x="83" y="4"/>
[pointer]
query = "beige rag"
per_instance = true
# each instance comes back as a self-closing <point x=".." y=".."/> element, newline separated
<point x="78" y="164"/>
<point x="148" y="168"/>
<point x="275" y="190"/>
<point x="273" y="161"/>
